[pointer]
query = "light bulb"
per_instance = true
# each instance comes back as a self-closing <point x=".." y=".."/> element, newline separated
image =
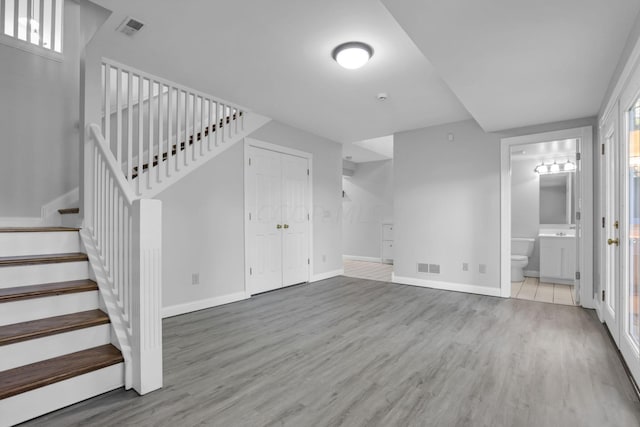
<point x="569" y="166"/>
<point x="352" y="55"/>
<point x="554" y="168"/>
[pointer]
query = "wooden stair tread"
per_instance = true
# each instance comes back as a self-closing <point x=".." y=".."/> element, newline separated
<point x="46" y="289"/>
<point x="17" y="332"/>
<point x="67" y="211"/>
<point x="39" y="374"/>
<point x="42" y="259"/>
<point x="35" y="229"/>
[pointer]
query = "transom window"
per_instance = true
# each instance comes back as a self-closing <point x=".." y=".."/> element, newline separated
<point x="36" y="22"/>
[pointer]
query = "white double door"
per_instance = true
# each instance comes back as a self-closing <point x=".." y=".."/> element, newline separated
<point x="279" y="220"/>
<point x="620" y="138"/>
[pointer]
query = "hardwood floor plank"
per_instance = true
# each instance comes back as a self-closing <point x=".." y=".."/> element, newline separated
<point x="352" y="352"/>
<point x="17" y="332"/>
<point x="40" y="374"/>
<point x="46" y="289"/>
<point x="9" y="261"/>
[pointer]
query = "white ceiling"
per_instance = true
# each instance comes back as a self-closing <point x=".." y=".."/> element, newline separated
<point x="516" y="63"/>
<point x="511" y="63"/>
<point x="274" y="57"/>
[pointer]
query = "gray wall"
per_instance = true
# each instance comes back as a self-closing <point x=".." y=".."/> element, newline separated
<point x="39" y="115"/>
<point x="525" y="205"/>
<point x="368" y="202"/>
<point x="447" y="203"/>
<point x="203" y="218"/>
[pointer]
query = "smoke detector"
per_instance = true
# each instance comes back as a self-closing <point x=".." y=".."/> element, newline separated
<point x="130" y="26"/>
<point x="382" y="96"/>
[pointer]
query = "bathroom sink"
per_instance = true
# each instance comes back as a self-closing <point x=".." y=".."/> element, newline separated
<point x="571" y="233"/>
<point x="557" y="232"/>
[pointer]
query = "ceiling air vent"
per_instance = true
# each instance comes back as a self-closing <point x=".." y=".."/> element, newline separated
<point x="130" y="26"/>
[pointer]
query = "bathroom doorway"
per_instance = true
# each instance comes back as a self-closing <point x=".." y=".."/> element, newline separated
<point x="547" y="218"/>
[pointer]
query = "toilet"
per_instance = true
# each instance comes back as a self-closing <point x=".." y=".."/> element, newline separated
<point x="521" y="249"/>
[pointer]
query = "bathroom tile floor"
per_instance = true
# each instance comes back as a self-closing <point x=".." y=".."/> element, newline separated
<point x="532" y="289"/>
<point x="368" y="270"/>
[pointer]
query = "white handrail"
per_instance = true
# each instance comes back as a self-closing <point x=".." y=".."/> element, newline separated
<point x="122" y="236"/>
<point x="174" y="126"/>
<point x="111" y="163"/>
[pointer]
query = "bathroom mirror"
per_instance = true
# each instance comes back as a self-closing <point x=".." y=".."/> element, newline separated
<point x="556" y="198"/>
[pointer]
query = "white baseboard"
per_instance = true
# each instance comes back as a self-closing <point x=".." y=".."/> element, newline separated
<point x="361" y="258"/>
<point x="188" y="307"/>
<point x="446" y="286"/>
<point x="327" y="275"/>
<point x="531" y="273"/>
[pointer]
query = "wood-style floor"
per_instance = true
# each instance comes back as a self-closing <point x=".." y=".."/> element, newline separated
<point x="368" y="270"/>
<point x="352" y="352"/>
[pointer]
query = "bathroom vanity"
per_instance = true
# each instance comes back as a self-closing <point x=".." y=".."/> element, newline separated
<point x="557" y="256"/>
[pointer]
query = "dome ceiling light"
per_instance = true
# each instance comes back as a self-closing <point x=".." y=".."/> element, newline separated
<point x="352" y="55"/>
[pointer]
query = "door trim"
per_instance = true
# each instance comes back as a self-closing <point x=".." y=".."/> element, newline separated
<point x="251" y="142"/>
<point x="585" y="258"/>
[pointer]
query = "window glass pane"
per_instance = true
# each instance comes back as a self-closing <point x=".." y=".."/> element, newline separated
<point x="8" y="17"/>
<point x="634" y="223"/>
<point x="58" y="26"/>
<point x="46" y="25"/>
<point x="35" y="22"/>
<point x="22" y="20"/>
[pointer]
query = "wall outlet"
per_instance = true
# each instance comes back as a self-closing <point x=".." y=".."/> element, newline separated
<point x="482" y="268"/>
<point x="465" y="266"/>
<point x="195" y="279"/>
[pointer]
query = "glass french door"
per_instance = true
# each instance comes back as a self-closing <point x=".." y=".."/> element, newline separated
<point x="630" y="245"/>
<point x="611" y="226"/>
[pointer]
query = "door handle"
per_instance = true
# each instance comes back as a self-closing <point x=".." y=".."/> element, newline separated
<point x="278" y="226"/>
<point x="286" y="226"/>
<point x="613" y="242"/>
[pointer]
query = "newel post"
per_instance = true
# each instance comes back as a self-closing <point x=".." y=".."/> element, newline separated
<point x="146" y="319"/>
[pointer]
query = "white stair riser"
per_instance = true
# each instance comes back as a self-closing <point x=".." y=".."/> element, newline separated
<point x="19" y="244"/>
<point x="25" y="275"/>
<point x="71" y="220"/>
<point x="31" y="351"/>
<point x="39" y="308"/>
<point x="25" y="406"/>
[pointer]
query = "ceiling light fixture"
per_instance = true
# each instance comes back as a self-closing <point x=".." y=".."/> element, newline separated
<point x="352" y="55"/>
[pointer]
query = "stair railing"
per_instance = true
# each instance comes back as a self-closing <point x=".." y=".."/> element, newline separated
<point x="156" y="128"/>
<point x="151" y="133"/>
<point x="122" y="236"/>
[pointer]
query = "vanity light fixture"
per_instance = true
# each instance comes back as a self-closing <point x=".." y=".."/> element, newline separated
<point x="543" y="169"/>
<point x="352" y="55"/>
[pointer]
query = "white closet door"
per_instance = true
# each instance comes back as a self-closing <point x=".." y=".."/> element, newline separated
<point x="265" y="203"/>
<point x="295" y="210"/>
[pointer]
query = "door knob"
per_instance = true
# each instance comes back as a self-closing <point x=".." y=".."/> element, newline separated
<point x="286" y="226"/>
<point x="278" y="226"/>
<point x="613" y="242"/>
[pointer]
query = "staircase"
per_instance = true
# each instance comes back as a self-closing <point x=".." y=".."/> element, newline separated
<point x="55" y="341"/>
